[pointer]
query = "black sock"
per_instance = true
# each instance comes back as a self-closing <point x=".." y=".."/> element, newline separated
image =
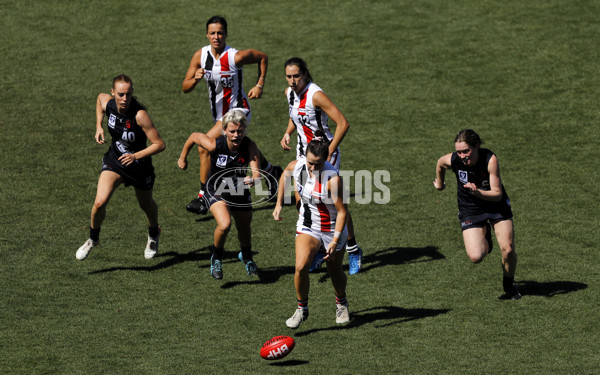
<point x="351" y="241"/>
<point x="217" y="253"/>
<point x="246" y="253"/>
<point x="95" y="234"/>
<point x="507" y="284"/>
<point x="153" y="231"/>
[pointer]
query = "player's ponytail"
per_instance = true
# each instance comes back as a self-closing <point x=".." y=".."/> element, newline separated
<point x="319" y="145"/>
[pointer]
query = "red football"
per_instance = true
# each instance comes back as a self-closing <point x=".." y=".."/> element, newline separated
<point x="277" y="347"/>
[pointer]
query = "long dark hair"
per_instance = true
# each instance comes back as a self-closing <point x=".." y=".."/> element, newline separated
<point x="301" y="64"/>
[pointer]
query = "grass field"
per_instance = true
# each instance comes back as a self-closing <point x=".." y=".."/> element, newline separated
<point x="408" y="75"/>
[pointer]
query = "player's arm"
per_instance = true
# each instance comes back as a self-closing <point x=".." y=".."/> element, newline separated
<point x="100" y="112"/>
<point x="194" y="74"/>
<point x="254" y="163"/>
<point x="156" y="142"/>
<point x="285" y="141"/>
<point x="321" y="100"/>
<point x="252" y="56"/>
<point x="284" y="180"/>
<point x="199" y="139"/>
<point x="443" y="163"/>
<point x="495" y="192"/>
<point x="336" y="187"/>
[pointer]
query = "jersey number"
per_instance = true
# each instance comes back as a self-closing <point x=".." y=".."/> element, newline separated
<point x="227" y="81"/>
<point x="128" y="137"/>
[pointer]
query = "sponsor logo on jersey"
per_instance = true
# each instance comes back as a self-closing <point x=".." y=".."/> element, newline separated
<point x="463" y="176"/>
<point x="112" y="120"/>
<point x="222" y="161"/>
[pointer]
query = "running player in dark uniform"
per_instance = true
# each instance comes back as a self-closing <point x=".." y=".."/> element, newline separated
<point x="227" y="187"/>
<point x="128" y="160"/>
<point x="482" y="200"/>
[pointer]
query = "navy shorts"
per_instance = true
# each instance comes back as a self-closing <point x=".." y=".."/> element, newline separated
<point x="480" y="220"/>
<point x="234" y="202"/>
<point x="139" y="175"/>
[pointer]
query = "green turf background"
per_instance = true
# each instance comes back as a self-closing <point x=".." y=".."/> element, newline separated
<point x="408" y="75"/>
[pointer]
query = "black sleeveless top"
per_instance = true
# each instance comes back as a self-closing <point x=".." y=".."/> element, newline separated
<point x="469" y="204"/>
<point x="228" y="168"/>
<point x="127" y="136"/>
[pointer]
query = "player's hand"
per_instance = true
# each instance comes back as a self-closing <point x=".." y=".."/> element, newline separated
<point x="330" y="252"/>
<point x="249" y="181"/>
<point x="471" y="187"/>
<point x="99" y="136"/>
<point x="199" y="74"/>
<point x="182" y="163"/>
<point x="438" y="185"/>
<point x="127" y="159"/>
<point x="285" y="142"/>
<point x="277" y="212"/>
<point x="255" y="93"/>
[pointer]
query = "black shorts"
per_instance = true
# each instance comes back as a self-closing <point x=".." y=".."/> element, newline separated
<point x="139" y="175"/>
<point x="234" y="202"/>
<point x="480" y="220"/>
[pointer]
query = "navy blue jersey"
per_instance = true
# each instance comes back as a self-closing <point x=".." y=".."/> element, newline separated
<point x="469" y="204"/>
<point x="127" y="136"/>
<point x="228" y="168"/>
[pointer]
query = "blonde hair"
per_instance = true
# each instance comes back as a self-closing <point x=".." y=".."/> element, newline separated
<point x="236" y="115"/>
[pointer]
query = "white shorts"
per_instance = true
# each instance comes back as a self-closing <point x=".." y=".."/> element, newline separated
<point x="324" y="237"/>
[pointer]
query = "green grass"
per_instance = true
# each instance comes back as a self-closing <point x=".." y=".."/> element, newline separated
<point x="408" y="76"/>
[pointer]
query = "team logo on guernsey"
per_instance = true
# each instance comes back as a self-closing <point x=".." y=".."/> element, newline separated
<point x="112" y="120"/>
<point x="222" y="161"/>
<point x="463" y="176"/>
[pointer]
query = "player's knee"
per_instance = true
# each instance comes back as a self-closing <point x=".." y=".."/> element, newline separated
<point x="100" y="203"/>
<point x="477" y="257"/>
<point x="302" y="268"/>
<point x="224" y="226"/>
<point x="508" y="249"/>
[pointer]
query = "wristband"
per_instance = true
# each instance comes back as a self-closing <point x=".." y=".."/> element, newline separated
<point x="257" y="85"/>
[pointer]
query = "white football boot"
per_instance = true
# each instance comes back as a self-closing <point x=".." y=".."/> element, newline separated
<point x="297" y="319"/>
<point x="152" y="246"/>
<point x="85" y="249"/>
<point x="342" y="315"/>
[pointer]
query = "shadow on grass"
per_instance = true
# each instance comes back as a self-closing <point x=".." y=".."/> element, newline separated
<point x="386" y="315"/>
<point x="392" y="256"/>
<point x="265" y="276"/>
<point x="292" y="362"/>
<point x="173" y="259"/>
<point x="400" y="255"/>
<point x="548" y="289"/>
